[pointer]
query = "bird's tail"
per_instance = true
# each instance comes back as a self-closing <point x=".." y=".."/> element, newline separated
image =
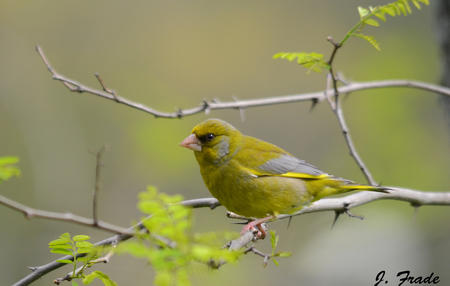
<point x="334" y="186"/>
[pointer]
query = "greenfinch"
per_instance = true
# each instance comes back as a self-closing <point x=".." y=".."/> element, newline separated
<point x="257" y="179"/>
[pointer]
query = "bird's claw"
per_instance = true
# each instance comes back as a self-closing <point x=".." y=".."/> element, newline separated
<point x="255" y="228"/>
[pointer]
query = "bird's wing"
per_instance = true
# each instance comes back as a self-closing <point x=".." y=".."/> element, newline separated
<point x="269" y="160"/>
<point x="289" y="166"/>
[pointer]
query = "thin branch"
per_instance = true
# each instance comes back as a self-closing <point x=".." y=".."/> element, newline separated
<point x="351" y="146"/>
<point x="207" y="106"/>
<point x="255" y="251"/>
<point x="110" y="91"/>
<point x="337" y="109"/>
<point x="69" y="217"/>
<point x="414" y="197"/>
<point x="98" y="168"/>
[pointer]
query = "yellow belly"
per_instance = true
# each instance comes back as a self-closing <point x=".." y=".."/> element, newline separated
<point x="251" y="196"/>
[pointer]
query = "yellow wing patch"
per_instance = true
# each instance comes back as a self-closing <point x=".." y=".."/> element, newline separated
<point x="304" y="176"/>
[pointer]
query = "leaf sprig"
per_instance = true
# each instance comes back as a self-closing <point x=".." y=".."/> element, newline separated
<point x="7" y="168"/>
<point x="368" y="17"/>
<point x="169" y="244"/>
<point x="74" y="246"/>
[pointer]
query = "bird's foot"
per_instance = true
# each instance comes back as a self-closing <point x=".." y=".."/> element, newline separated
<point x="255" y="226"/>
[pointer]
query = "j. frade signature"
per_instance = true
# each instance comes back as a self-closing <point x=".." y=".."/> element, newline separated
<point x="405" y="278"/>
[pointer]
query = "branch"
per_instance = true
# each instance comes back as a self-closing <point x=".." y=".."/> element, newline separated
<point x="206" y="106"/>
<point x="337" y="109"/>
<point x="98" y="168"/>
<point x="39" y="271"/>
<point x="69" y="217"/>
<point x="416" y="198"/>
<point x="351" y="146"/>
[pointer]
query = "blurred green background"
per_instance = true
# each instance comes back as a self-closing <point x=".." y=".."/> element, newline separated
<point x="172" y="54"/>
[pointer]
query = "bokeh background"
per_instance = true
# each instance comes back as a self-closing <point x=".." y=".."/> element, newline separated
<point x="173" y="54"/>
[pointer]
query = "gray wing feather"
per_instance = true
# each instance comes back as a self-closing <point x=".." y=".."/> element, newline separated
<point x="287" y="163"/>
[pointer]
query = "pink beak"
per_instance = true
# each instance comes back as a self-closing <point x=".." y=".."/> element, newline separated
<point x="192" y="142"/>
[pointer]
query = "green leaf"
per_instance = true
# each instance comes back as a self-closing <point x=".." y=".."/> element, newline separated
<point x="369" y="39"/>
<point x="283" y="254"/>
<point x="363" y="12"/>
<point x="61" y="251"/>
<point x="65" y="246"/>
<point x="380" y="15"/>
<point x="74" y="283"/>
<point x="390" y="9"/>
<point x="417" y="4"/>
<point x="81" y="237"/>
<point x="84" y="249"/>
<point x="372" y="22"/>
<point x="65" y="235"/>
<point x="6" y="170"/>
<point x="312" y="61"/>
<point x="84" y="244"/>
<point x="202" y="252"/>
<point x="273" y="240"/>
<point x="275" y="262"/>
<point x="64" y="261"/>
<point x="60" y="241"/>
<point x="99" y="275"/>
<point x="150" y="207"/>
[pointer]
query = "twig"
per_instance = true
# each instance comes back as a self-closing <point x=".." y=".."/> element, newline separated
<point x="110" y="91"/>
<point x="255" y="251"/>
<point x="207" y="106"/>
<point x="351" y="146"/>
<point x="336" y="107"/>
<point x="98" y="168"/>
<point x="211" y="203"/>
<point x="37" y="213"/>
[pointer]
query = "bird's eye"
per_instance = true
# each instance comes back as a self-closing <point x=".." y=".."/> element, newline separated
<point x="206" y="138"/>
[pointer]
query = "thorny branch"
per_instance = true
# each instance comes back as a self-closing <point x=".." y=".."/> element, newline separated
<point x="207" y="106"/>
<point x="414" y="197"/>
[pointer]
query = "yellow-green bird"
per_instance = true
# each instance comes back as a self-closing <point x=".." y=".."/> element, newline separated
<point x="257" y="179"/>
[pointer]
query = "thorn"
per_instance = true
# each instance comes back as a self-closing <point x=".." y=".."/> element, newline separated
<point x="314" y="103"/>
<point x="241" y="110"/>
<point x="337" y="214"/>
<point x="179" y="113"/>
<point x="289" y="222"/>
<point x="32" y="268"/>
<point x="206" y="106"/>
<point x="416" y="210"/>
<point x="346" y="210"/>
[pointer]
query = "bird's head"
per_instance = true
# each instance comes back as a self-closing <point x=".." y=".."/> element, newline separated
<point x="213" y="140"/>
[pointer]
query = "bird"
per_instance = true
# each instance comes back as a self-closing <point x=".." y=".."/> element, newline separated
<point x="257" y="179"/>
